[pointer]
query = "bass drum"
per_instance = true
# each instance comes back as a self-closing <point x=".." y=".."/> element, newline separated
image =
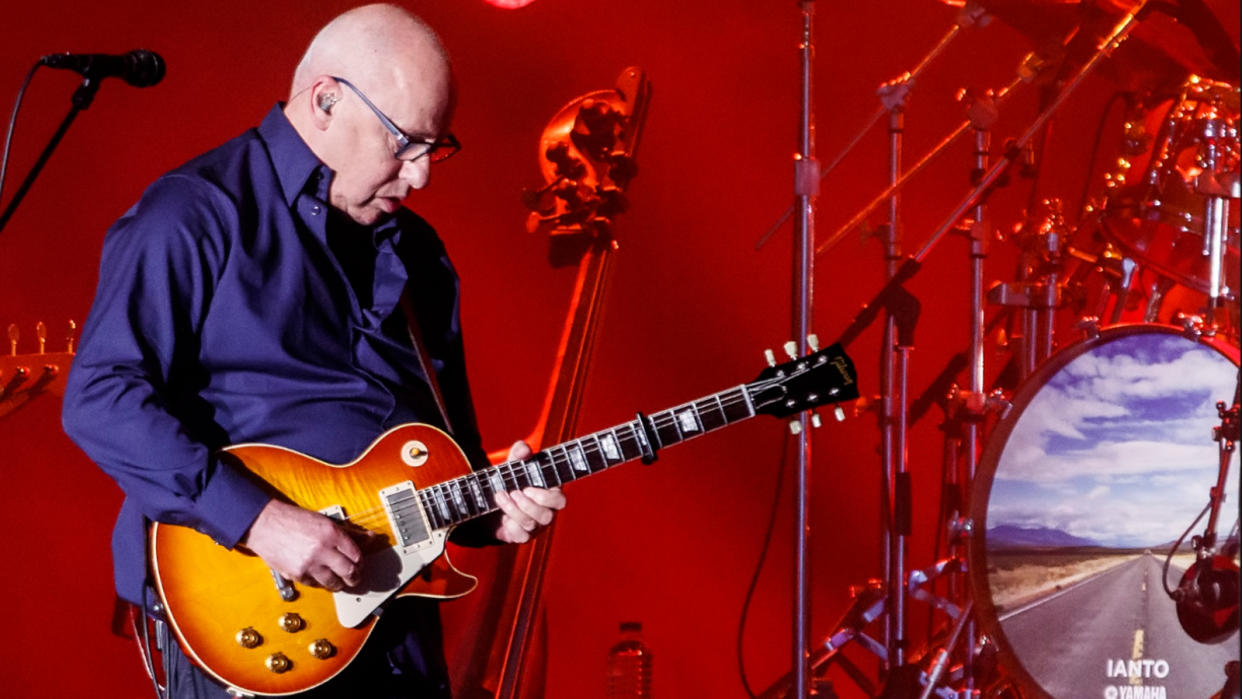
<point x="1103" y="460"/>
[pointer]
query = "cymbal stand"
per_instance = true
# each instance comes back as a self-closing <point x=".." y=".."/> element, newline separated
<point x="965" y="410"/>
<point x="894" y="373"/>
<point x="972" y="14"/>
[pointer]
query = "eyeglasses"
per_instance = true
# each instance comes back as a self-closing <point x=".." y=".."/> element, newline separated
<point x="410" y="148"/>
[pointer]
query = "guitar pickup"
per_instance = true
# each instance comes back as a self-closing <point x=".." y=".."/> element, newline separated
<point x="405" y="515"/>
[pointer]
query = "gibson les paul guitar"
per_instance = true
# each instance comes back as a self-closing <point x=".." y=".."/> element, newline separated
<point x="262" y="634"/>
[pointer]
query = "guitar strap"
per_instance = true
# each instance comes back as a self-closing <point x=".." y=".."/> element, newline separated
<point x="424" y="360"/>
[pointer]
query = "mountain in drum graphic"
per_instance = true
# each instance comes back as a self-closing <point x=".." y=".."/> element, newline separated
<point x="1008" y="536"/>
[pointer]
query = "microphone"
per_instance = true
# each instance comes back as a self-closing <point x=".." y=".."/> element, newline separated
<point x="140" y="68"/>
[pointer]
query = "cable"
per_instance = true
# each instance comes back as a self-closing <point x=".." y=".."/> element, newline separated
<point x="763" y="554"/>
<point x="1164" y="575"/>
<point x="8" y="140"/>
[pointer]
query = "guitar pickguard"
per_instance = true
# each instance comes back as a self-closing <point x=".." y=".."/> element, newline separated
<point x="385" y="572"/>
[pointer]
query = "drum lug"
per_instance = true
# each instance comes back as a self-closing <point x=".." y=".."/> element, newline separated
<point x="1090" y="327"/>
<point x="1195" y="327"/>
<point x="961" y="528"/>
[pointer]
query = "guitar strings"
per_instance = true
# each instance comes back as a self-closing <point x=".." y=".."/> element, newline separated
<point x="509" y="470"/>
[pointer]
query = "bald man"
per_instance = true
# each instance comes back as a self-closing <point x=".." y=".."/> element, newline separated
<point x="254" y="295"/>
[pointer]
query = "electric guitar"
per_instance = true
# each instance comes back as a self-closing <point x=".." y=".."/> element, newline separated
<point x="262" y="634"/>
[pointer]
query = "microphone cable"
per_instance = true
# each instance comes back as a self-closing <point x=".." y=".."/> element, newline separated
<point x="8" y="140"/>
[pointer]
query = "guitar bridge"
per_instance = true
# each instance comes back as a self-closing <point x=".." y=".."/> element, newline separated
<point x="405" y="516"/>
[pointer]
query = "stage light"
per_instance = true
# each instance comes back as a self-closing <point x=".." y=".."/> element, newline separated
<point x="509" y="4"/>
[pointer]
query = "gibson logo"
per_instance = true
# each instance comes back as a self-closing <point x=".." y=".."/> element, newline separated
<point x="843" y="368"/>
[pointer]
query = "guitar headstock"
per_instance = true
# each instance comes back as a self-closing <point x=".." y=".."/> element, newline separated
<point x="25" y="376"/>
<point x="823" y="377"/>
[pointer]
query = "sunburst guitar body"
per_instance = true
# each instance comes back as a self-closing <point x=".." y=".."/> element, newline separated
<point x="264" y="635"/>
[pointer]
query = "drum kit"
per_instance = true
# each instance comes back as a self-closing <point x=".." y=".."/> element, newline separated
<point x="1094" y="473"/>
<point x="1075" y="568"/>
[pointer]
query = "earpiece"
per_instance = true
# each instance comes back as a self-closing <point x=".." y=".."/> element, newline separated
<point x="326" y="101"/>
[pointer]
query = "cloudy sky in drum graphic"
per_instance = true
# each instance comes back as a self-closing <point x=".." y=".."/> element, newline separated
<point x="1116" y="448"/>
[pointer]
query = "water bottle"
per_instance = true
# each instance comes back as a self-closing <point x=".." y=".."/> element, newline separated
<point x="629" y="665"/>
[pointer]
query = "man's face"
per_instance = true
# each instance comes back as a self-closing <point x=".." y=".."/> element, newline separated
<point x="369" y="183"/>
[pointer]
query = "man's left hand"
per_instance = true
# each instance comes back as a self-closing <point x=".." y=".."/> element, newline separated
<point x="524" y="511"/>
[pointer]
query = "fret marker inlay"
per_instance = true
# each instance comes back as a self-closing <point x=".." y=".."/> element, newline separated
<point x="609" y="443"/>
<point x="688" y="423"/>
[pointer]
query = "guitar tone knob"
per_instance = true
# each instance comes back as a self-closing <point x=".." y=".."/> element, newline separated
<point x="278" y="663"/>
<point x="322" y="648"/>
<point x="291" y="622"/>
<point x="248" y="638"/>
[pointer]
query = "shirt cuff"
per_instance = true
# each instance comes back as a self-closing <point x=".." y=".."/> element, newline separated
<point x="229" y="504"/>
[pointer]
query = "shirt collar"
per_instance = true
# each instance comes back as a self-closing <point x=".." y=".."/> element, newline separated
<point x="292" y="159"/>
<point x="299" y="170"/>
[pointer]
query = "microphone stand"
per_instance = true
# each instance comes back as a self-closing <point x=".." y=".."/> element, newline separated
<point x="81" y="100"/>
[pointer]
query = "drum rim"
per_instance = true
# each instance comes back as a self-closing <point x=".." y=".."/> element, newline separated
<point x="981" y="486"/>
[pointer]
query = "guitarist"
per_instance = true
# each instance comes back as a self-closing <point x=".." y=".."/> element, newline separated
<point x="253" y="295"/>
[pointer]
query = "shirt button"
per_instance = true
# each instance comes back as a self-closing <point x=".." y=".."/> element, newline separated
<point x="315" y="210"/>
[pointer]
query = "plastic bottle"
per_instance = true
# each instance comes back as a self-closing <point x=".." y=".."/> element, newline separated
<point x="629" y="665"/>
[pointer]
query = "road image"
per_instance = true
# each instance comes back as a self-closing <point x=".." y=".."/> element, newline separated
<point x="1116" y="636"/>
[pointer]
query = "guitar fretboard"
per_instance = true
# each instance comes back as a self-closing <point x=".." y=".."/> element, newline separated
<point x="466" y="497"/>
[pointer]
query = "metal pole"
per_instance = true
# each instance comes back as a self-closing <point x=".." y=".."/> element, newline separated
<point x="893" y="403"/>
<point x="806" y="184"/>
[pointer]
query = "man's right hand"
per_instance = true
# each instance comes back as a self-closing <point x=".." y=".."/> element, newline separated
<point x="305" y="546"/>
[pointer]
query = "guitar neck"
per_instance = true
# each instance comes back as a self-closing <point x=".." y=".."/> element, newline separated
<point x="467" y="497"/>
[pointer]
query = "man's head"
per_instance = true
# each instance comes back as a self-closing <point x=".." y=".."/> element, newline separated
<point x="393" y="60"/>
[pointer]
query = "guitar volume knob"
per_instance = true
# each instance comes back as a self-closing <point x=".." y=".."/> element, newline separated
<point x="248" y="638"/>
<point x="292" y="622"/>
<point x="322" y="648"/>
<point x="278" y="663"/>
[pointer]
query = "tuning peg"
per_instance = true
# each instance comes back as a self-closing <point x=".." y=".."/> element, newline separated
<point x="14" y="336"/>
<point x="72" y="336"/>
<point x="770" y="357"/>
<point x="812" y="341"/>
<point x="815" y="421"/>
<point x="41" y="333"/>
<point x="795" y="427"/>
<point x="791" y="349"/>
<point x="839" y="413"/>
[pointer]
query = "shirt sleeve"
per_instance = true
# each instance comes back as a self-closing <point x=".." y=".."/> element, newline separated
<point x="130" y="400"/>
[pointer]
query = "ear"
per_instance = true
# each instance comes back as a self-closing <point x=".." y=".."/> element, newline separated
<point x="324" y="94"/>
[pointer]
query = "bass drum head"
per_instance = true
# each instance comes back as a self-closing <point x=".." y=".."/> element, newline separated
<point x="1104" y="459"/>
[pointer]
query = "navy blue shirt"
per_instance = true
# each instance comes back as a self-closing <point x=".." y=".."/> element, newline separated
<point x="235" y="305"/>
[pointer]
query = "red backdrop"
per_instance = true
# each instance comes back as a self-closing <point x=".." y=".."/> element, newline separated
<point x="691" y="307"/>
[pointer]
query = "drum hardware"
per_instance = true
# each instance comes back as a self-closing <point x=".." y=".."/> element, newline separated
<point x="941" y="660"/>
<point x="1207" y="594"/>
<point x="1089" y="326"/>
<point x="891" y="295"/>
<point x="1171" y="205"/>
<point x="1195" y="326"/>
<point x="866" y="605"/>
<point x="1038" y="291"/>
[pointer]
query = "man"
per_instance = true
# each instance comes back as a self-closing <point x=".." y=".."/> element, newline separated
<point x="252" y="295"/>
